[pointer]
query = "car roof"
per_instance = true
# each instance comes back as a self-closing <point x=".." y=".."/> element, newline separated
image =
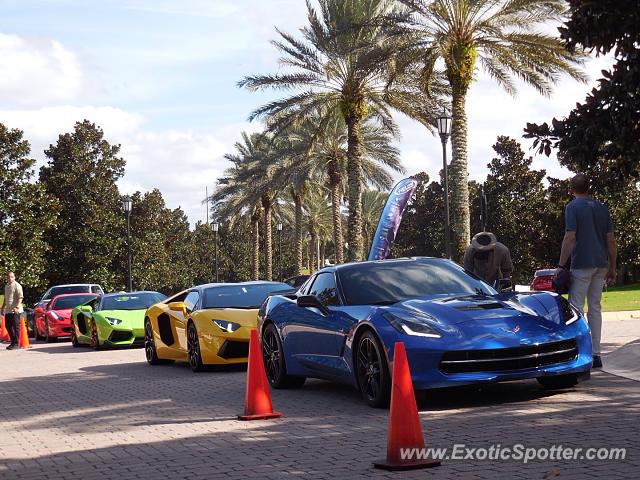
<point x="355" y="265"/>
<point x="75" y="285"/>
<point x="254" y="282"/>
<point x="120" y="294"/>
<point x="81" y="294"/>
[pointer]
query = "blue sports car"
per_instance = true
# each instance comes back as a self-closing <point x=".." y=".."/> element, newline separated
<point x="343" y="322"/>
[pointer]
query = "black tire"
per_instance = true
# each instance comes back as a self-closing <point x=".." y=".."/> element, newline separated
<point x="274" y="363"/>
<point x="559" y="381"/>
<point x="193" y="349"/>
<point x="74" y="337"/>
<point x="36" y="335"/>
<point x="150" y="346"/>
<point x="48" y="338"/>
<point x="372" y="371"/>
<point x="95" y="340"/>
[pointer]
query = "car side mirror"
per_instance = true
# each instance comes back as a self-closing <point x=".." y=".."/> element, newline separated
<point x="178" y="307"/>
<point x="304" y="301"/>
<point x="503" y="285"/>
<point x="86" y="308"/>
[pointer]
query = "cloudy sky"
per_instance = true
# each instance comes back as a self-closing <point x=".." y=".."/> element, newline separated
<point x="159" y="76"/>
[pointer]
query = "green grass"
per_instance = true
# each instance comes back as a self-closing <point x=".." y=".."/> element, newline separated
<point x="624" y="297"/>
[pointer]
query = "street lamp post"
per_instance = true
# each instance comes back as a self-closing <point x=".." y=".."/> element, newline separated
<point x="126" y="205"/>
<point x="444" y="129"/>
<point x="279" y="227"/>
<point x="215" y="227"/>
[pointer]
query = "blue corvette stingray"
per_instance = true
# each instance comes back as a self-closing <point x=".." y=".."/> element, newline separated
<point x="343" y="322"/>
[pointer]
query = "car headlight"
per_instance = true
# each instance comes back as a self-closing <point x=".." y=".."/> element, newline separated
<point x="411" y="324"/>
<point x="55" y="316"/>
<point x="225" y="326"/>
<point x="569" y="313"/>
<point x="114" y="321"/>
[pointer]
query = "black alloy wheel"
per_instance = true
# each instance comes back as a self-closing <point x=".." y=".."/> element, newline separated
<point x="95" y="341"/>
<point x="36" y="334"/>
<point x="150" y="351"/>
<point x="74" y="337"/>
<point x="372" y="371"/>
<point x="273" y="359"/>
<point x="193" y="349"/>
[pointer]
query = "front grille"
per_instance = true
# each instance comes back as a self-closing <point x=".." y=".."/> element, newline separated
<point x="117" y="336"/>
<point x="233" y="349"/>
<point x="513" y="358"/>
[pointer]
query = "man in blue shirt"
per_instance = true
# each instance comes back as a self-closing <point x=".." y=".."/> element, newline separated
<point x="590" y="243"/>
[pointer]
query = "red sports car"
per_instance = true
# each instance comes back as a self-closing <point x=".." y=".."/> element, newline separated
<point x="56" y="320"/>
<point x="542" y="280"/>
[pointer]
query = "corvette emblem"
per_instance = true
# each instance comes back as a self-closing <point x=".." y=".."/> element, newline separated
<point x="514" y="330"/>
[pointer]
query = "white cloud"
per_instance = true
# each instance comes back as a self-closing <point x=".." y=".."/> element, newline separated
<point x="34" y="71"/>
<point x="181" y="163"/>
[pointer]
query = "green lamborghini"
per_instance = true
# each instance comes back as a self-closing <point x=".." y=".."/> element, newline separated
<point x="112" y="320"/>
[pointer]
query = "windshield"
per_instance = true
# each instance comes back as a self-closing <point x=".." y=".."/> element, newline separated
<point x="241" y="296"/>
<point x="68" y="289"/>
<point x="71" y="302"/>
<point x="544" y="273"/>
<point x="389" y="282"/>
<point x="131" y="301"/>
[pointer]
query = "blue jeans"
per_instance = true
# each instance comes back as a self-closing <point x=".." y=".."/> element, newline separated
<point x="588" y="283"/>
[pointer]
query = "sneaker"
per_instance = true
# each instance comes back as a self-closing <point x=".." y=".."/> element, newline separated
<point x="12" y="346"/>
<point x="597" y="361"/>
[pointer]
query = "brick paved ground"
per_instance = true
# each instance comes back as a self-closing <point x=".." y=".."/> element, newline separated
<point x="80" y="414"/>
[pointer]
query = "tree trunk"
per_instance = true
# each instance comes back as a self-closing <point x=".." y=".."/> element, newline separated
<point x="268" y="241"/>
<point x="458" y="174"/>
<point x="255" y="232"/>
<point x="313" y="250"/>
<point x="335" y="181"/>
<point x="297" y="200"/>
<point x="354" y="181"/>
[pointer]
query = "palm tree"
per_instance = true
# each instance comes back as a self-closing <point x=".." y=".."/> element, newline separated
<point x="345" y="65"/>
<point x="318" y="151"/>
<point x="318" y="221"/>
<point x="237" y="194"/>
<point x="372" y="204"/>
<point x="502" y="36"/>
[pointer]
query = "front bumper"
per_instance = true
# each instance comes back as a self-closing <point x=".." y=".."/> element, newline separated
<point x="429" y="371"/>
<point x="60" y="328"/>
<point x="118" y="336"/>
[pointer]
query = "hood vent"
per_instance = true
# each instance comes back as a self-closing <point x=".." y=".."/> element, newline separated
<point x="480" y="306"/>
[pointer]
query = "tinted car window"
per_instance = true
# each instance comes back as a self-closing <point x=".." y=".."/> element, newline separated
<point x="241" y="296"/>
<point x="544" y="273"/>
<point x="96" y="289"/>
<point x="324" y="287"/>
<point x="390" y="282"/>
<point x="69" y="289"/>
<point x="70" y="302"/>
<point x="191" y="300"/>
<point x="131" y="301"/>
<point x="94" y="304"/>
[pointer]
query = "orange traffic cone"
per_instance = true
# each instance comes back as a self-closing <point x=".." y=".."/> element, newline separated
<point x="4" y="333"/>
<point x="23" y="339"/>
<point x="257" y="398"/>
<point x="405" y="431"/>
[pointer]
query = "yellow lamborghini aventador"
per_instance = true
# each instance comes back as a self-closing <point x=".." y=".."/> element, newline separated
<point x="206" y="325"/>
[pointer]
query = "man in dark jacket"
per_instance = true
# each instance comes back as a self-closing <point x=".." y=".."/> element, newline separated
<point x="488" y="258"/>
